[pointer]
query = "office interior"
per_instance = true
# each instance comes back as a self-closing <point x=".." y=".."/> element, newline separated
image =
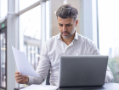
<point x="28" y="24"/>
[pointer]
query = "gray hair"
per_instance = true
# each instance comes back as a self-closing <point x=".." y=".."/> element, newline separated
<point x="66" y="11"/>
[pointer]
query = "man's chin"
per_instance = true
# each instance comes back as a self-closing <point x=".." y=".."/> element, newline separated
<point x="66" y="36"/>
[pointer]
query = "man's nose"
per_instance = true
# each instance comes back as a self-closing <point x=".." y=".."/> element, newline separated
<point x="64" y="28"/>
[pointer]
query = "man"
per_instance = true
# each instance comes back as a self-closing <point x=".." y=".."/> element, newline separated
<point x="68" y="42"/>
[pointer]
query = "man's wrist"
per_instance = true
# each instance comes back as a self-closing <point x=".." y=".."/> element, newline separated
<point x="27" y="79"/>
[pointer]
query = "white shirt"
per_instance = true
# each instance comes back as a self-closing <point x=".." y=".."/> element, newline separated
<point x="54" y="49"/>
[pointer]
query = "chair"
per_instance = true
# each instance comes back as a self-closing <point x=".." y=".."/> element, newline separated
<point x="47" y="79"/>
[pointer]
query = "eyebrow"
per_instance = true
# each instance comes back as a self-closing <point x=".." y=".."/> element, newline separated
<point x="66" y="24"/>
<point x="69" y="24"/>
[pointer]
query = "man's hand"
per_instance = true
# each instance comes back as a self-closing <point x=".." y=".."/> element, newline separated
<point x="21" y="79"/>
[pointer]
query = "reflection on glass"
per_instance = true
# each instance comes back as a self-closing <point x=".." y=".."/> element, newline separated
<point x="109" y="33"/>
<point x="3" y="61"/>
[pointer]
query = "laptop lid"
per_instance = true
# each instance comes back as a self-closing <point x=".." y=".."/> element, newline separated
<point x="82" y="71"/>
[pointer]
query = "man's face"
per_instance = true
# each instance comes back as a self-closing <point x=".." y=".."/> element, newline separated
<point x="67" y="27"/>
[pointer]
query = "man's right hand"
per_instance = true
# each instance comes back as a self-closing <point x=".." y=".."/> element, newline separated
<point x="21" y="79"/>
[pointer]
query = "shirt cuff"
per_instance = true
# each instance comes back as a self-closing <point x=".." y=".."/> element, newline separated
<point x="30" y="80"/>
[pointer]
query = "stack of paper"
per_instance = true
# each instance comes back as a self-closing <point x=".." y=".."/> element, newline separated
<point x="40" y="87"/>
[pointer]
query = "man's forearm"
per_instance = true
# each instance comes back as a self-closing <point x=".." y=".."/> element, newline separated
<point x="34" y="80"/>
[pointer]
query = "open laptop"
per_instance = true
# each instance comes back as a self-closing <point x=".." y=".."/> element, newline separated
<point x="82" y="71"/>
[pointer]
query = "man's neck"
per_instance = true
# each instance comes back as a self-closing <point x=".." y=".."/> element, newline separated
<point x="69" y="40"/>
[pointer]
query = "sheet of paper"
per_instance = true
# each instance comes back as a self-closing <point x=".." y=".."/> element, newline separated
<point x="23" y="64"/>
<point x="40" y="87"/>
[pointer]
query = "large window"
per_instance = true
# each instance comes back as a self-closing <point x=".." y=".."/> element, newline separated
<point x="30" y="29"/>
<point x="34" y="29"/>
<point x="3" y="9"/>
<point x="2" y="59"/>
<point x="25" y="3"/>
<point x="3" y="16"/>
<point x="108" y="33"/>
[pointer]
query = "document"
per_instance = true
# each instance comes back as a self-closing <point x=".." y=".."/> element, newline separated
<point x="40" y="87"/>
<point x="23" y="65"/>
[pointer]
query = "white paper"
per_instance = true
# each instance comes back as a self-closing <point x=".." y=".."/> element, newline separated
<point x="23" y="65"/>
<point x="40" y="87"/>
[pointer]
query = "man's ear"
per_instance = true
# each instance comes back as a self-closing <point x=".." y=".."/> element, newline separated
<point x="76" y="23"/>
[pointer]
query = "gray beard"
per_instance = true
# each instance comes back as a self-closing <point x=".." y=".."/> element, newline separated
<point x="72" y="32"/>
<point x="66" y="37"/>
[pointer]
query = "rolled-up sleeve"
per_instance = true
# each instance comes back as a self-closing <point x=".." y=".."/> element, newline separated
<point x="42" y="69"/>
<point x="93" y="50"/>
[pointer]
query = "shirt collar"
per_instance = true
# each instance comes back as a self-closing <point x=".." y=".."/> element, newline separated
<point x="75" y="37"/>
<point x="59" y="36"/>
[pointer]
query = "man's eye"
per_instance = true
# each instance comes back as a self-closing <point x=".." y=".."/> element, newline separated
<point x="68" y="25"/>
<point x="60" y="24"/>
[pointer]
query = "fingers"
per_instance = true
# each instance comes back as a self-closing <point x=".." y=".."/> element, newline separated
<point x="20" y="78"/>
<point x="18" y="75"/>
<point x="17" y="72"/>
<point x="21" y="81"/>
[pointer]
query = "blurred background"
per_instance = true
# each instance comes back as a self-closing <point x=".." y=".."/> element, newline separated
<point x="28" y="24"/>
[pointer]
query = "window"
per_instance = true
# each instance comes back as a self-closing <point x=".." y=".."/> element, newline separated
<point x="3" y="60"/>
<point x="25" y="3"/>
<point x="34" y="31"/>
<point x="30" y="33"/>
<point x="108" y="33"/>
<point x="3" y="9"/>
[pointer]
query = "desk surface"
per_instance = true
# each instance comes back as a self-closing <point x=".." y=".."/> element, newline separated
<point x="107" y="86"/>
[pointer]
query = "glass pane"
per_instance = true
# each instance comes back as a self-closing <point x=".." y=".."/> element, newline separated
<point x="108" y="33"/>
<point x="30" y="32"/>
<point x="3" y="9"/>
<point x="25" y="3"/>
<point x="3" y="61"/>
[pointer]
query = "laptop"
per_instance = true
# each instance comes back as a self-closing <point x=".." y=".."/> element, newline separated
<point x="76" y="71"/>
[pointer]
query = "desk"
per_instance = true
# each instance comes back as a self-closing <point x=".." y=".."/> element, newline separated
<point x="107" y="86"/>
